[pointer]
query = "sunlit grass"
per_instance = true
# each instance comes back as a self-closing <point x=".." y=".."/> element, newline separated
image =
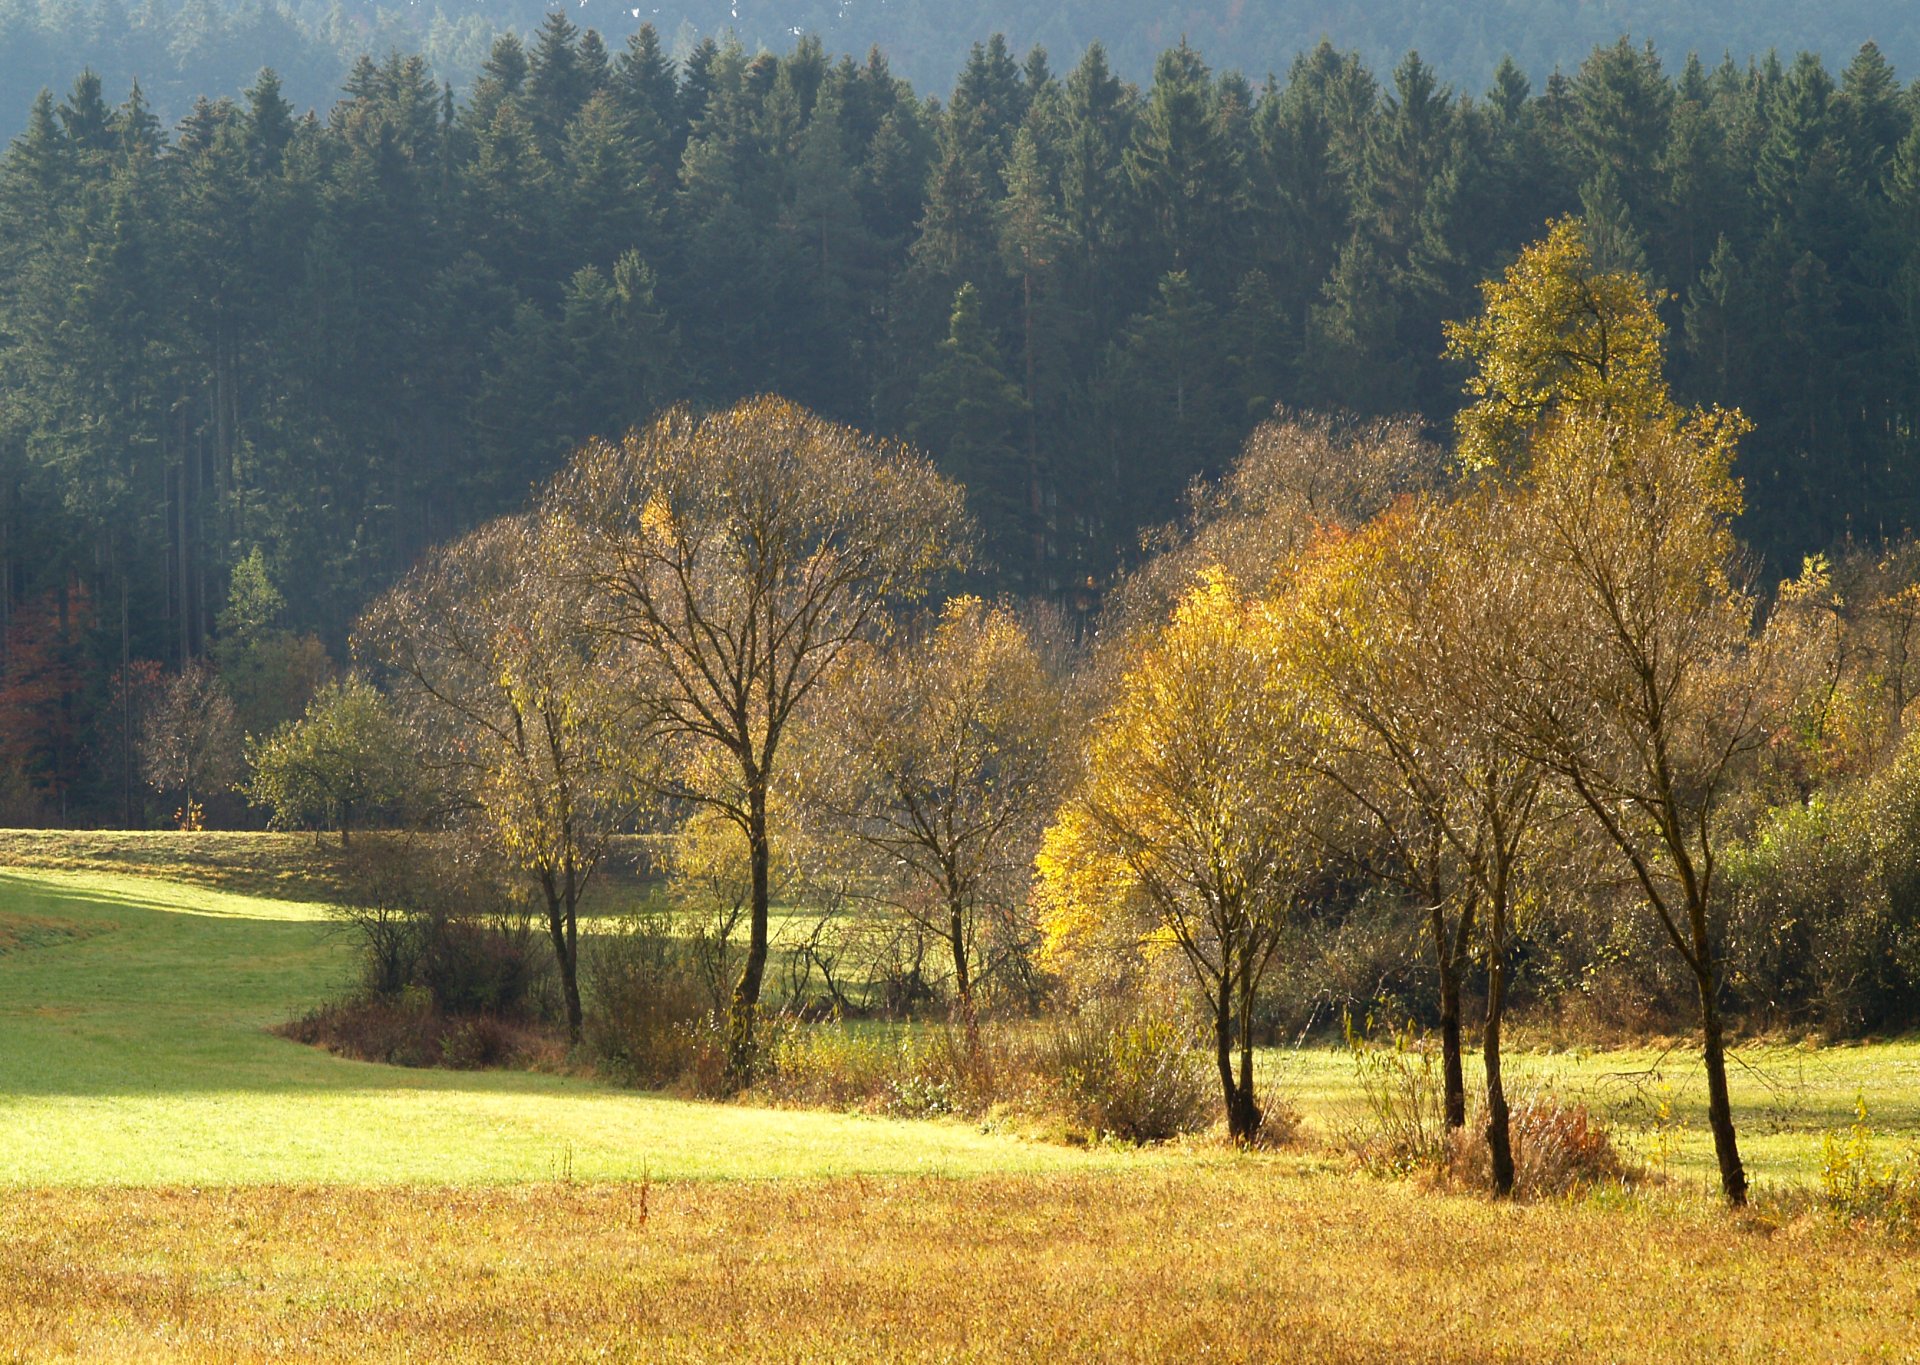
<point x="179" y="1184"/>
<point x="137" y="1052"/>
<point x="1785" y="1097"/>
<point x="1224" y="1258"/>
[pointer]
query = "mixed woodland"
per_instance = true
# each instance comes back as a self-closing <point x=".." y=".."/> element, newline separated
<point x="1333" y="544"/>
<point x="315" y="346"/>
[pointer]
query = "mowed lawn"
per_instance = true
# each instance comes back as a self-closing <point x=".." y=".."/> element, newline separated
<point x="176" y="1183"/>
<point x="134" y="1051"/>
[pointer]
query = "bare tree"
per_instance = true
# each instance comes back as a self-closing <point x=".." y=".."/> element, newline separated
<point x="733" y="559"/>
<point x="504" y="702"/>
<point x="190" y="738"/>
<point x="931" y="764"/>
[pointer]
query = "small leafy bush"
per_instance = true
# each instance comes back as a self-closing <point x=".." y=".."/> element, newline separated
<point x="1403" y="1129"/>
<point x="1129" y="1071"/>
<point x="649" y="1003"/>
<point x="407" y="1030"/>
<point x="1859" y="1187"/>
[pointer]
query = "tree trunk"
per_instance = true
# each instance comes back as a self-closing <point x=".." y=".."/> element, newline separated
<point x="746" y="995"/>
<point x="1223" y="1045"/>
<point x="1499" y="1124"/>
<point x="957" y="938"/>
<point x="1451" y="1068"/>
<point x="1243" y="1116"/>
<point x="1250" y="1116"/>
<point x="1726" y="1144"/>
<point x="561" y="924"/>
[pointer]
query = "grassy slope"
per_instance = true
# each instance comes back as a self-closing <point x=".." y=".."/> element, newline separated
<point x="136" y="1053"/>
<point x="134" y="1013"/>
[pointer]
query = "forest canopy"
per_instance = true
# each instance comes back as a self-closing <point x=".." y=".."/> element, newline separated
<point x="178" y="49"/>
<point x="315" y="346"/>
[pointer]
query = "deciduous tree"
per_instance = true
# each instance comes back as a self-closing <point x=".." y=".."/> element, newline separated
<point x="733" y="560"/>
<point x="502" y="699"/>
<point x="1193" y="816"/>
<point x="934" y="760"/>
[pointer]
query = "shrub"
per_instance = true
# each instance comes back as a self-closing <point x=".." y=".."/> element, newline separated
<point x="1404" y="1124"/>
<point x="1860" y="1187"/>
<point x="651" y="1013"/>
<point x="1558" y="1149"/>
<point x="1129" y="1071"/>
<point x="435" y="916"/>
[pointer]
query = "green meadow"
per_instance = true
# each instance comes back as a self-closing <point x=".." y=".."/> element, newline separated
<point x="135" y="1015"/>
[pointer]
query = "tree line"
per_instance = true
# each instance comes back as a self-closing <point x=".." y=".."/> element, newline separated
<point x="1499" y="687"/>
<point x="178" y="49"/>
<point x="339" y="340"/>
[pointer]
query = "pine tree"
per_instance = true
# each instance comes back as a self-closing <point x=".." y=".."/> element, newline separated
<point x="1183" y="169"/>
<point x="965" y="412"/>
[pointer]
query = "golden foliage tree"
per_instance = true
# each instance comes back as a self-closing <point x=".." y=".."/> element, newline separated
<point x="1557" y="331"/>
<point x="1192" y="817"/>
<point x="505" y="703"/>
<point x="933" y="761"/>
<point x="1396" y="622"/>
<point x="1635" y="674"/>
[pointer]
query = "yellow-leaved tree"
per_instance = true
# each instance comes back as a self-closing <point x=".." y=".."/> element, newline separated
<point x="1191" y="824"/>
<point x="927" y="768"/>
<point x="1557" y="332"/>
<point x="505" y="704"/>
<point x="1395" y="624"/>
<point x="1631" y="671"/>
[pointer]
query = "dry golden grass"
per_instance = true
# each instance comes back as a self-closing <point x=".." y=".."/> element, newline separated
<point x="1258" y="1258"/>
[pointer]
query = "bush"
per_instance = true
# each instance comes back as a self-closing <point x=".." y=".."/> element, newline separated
<point x="838" y="1066"/>
<point x="1404" y="1127"/>
<point x="1861" y="1188"/>
<point x="1128" y="1071"/>
<point x="406" y="1030"/>
<point x="1558" y="1149"/>
<point x="434" y="916"/>
<point x="652" y="1015"/>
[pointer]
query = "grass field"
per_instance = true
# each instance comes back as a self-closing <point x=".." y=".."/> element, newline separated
<point x="136" y="1052"/>
<point x="177" y="1183"/>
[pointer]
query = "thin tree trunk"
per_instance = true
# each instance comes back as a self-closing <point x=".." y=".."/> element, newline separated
<point x="1726" y="1143"/>
<point x="957" y="938"/>
<point x="1250" y="1116"/>
<point x="746" y="995"/>
<point x="1223" y="1046"/>
<point x="1452" y="1070"/>
<point x="1499" y="1121"/>
<point x="560" y="924"/>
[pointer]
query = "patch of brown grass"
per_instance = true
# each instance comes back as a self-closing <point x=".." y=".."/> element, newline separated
<point x="18" y="933"/>
<point x="1249" y="1258"/>
<point x="283" y="866"/>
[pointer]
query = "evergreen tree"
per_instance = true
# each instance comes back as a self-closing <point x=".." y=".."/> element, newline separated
<point x="966" y="412"/>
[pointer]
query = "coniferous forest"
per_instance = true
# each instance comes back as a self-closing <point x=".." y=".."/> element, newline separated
<point x="253" y="363"/>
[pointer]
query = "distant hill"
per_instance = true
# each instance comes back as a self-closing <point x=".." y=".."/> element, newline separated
<point x="181" y="48"/>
